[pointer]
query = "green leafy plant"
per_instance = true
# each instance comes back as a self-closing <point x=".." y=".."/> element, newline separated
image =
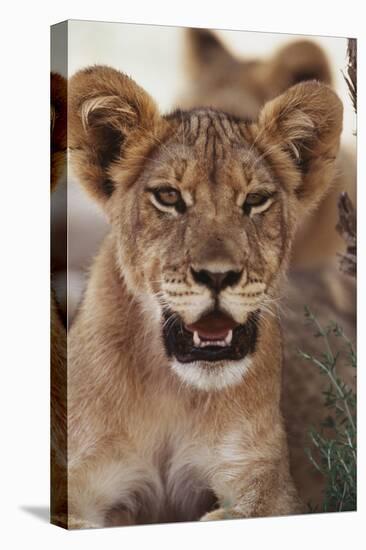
<point x="333" y="452"/>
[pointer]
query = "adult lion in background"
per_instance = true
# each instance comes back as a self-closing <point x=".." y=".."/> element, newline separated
<point x="175" y="354"/>
<point x="221" y="80"/>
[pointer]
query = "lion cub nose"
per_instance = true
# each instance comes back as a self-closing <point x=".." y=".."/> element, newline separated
<point x="216" y="281"/>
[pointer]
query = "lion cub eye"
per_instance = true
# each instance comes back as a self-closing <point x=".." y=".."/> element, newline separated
<point x="168" y="198"/>
<point x="256" y="203"/>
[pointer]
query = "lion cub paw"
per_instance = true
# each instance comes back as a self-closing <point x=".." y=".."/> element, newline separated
<point x="78" y="523"/>
<point x="221" y="513"/>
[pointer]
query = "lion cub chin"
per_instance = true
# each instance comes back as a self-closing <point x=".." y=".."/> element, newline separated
<point x="175" y="416"/>
<point x="205" y="376"/>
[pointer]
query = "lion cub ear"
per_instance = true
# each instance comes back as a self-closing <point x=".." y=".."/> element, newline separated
<point x="306" y="123"/>
<point x="207" y="53"/>
<point x="109" y="114"/>
<point x="297" y="62"/>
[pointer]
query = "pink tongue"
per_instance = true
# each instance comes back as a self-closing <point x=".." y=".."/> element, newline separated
<point x="213" y="326"/>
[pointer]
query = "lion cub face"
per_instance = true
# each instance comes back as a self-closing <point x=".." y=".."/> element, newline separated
<point x="204" y="230"/>
<point x="203" y="207"/>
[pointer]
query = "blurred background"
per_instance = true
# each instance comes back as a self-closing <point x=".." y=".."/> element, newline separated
<point x="155" y="57"/>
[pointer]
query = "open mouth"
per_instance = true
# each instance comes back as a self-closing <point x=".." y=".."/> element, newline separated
<point x="214" y="337"/>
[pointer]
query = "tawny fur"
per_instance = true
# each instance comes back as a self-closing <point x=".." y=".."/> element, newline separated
<point x="58" y="127"/>
<point x="144" y="446"/>
<point x="58" y="329"/>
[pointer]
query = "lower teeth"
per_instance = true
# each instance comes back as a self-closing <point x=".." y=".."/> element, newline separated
<point x="205" y="343"/>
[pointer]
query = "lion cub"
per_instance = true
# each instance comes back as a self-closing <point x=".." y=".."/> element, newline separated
<point x="174" y="360"/>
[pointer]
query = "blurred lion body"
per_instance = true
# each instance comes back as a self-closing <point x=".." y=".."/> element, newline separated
<point x="303" y="400"/>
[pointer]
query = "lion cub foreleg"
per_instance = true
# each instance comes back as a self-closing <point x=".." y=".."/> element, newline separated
<point x="254" y="481"/>
<point x="100" y="492"/>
